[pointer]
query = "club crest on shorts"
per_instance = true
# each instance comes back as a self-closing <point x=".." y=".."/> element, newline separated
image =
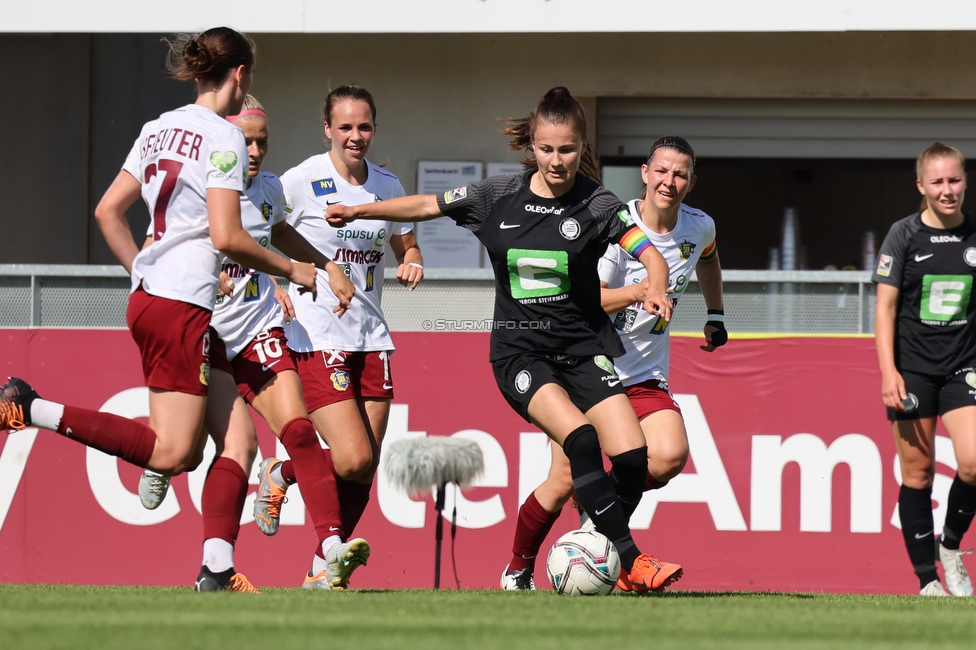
<point x="970" y="256"/>
<point x="569" y="228"/>
<point x="523" y="381"/>
<point x="340" y="380"/>
<point x="205" y="373"/>
<point x="971" y="379"/>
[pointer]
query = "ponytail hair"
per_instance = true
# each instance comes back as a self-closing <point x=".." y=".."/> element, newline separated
<point x="352" y="92"/>
<point x="557" y="107"/>
<point x="209" y="56"/>
<point x="936" y="150"/>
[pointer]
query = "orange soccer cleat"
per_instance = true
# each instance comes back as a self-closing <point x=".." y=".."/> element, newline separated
<point x="14" y="396"/>
<point x="652" y="574"/>
<point x="269" y="498"/>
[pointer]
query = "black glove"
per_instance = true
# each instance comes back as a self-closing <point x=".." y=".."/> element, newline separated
<point x="716" y="319"/>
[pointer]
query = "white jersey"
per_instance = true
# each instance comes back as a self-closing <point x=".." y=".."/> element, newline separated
<point x="646" y="338"/>
<point x="359" y="248"/>
<point x="253" y="309"/>
<point x="177" y="158"/>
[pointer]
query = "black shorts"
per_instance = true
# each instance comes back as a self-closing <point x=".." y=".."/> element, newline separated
<point x="937" y="395"/>
<point x="588" y="380"/>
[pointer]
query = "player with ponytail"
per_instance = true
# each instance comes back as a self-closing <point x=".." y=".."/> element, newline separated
<point x="545" y="231"/>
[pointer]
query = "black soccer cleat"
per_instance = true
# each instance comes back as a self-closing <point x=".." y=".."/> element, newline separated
<point x="16" y="397"/>
<point x="228" y="580"/>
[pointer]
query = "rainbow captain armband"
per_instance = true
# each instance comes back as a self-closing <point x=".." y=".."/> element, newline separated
<point x="635" y="242"/>
<point x="709" y="251"/>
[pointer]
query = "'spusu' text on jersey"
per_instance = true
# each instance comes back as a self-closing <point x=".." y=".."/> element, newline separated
<point x="646" y="337"/>
<point x="933" y="269"/>
<point x="544" y="253"/>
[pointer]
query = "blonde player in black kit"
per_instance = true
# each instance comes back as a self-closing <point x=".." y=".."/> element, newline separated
<point x="925" y="330"/>
<point x="552" y="343"/>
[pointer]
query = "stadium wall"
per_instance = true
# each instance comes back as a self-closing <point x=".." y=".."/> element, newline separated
<point x="792" y="483"/>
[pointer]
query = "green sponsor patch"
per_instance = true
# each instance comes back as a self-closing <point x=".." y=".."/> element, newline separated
<point x="624" y="215"/>
<point x="971" y="379"/>
<point x="605" y="364"/>
<point x="945" y="297"/>
<point x="223" y="160"/>
<point x="536" y="274"/>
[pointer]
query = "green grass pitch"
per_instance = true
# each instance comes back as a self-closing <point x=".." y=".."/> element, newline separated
<point x="39" y="616"/>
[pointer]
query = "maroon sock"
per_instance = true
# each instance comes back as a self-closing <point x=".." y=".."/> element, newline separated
<point x="288" y="472"/>
<point x="222" y="502"/>
<point x="651" y="483"/>
<point x="353" y="498"/>
<point x="113" y="434"/>
<point x="533" y="524"/>
<point x="315" y="476"/>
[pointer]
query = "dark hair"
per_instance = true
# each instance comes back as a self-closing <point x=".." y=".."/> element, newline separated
<point x="209" y="56"/>
<point x="936" y="150"/>
<point x="556" y="107"/>
<point x="675" y="143"/>
<point x="347" y="92"/>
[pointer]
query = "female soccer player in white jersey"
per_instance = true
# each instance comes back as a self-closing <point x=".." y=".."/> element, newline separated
<point x="925" y="332"/>
<point x="251" y="363"/>
<point x="344" y="364"/>
<point x="189" y="167"/>
<point x="545" y="230"/>
<point x="686" y="238"/>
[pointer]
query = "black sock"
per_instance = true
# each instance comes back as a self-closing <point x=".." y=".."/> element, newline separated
<point x="960" y="508"/>
<point x="595" y="491"/>
<point x="918" y="529"/>
<point x="628" y="474"/>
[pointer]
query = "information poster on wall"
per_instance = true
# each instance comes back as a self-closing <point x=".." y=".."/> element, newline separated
<point x="444" y="244"/>
<point x="504" y="169"/>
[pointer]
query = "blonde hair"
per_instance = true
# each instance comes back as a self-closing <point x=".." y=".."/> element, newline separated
<point x="936" y="150"/>
<point x="556" y="107"/>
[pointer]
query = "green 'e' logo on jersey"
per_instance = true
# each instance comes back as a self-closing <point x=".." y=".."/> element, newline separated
<point x="945" y="297"/>
<point x="535" y="274"/>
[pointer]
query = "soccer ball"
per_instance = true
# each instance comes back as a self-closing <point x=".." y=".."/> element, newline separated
<point x="583" y="563"/>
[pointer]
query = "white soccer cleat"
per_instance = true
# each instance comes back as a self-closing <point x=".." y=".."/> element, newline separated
<point x="343" y="559"/>
<point x="520" y="580"/>
<point x="934" y="588"/>
<point x="152" y="489"/>
<point x="956" y="576"/>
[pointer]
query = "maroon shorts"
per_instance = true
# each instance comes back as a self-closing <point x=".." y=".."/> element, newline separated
<point x="265" y="356"/>
<point x="330" y="376"/>
<point x="173" y="340"/>
<point x="651" y="396"/>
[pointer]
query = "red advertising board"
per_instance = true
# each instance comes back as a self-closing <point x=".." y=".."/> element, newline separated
<point x="792" y="483"/>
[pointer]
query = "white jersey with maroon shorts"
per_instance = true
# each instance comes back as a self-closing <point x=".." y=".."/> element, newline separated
<point x="177" y="158"/>
<point x="646" y="338"/>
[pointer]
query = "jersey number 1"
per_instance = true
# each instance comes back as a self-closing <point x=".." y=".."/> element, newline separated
<point x="171" y="170"/>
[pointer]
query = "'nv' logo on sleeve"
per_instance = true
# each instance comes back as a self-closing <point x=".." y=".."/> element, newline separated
<point x="945" y="298"/>
<point x="323" y="186"/>
<point x="538" y="274"/>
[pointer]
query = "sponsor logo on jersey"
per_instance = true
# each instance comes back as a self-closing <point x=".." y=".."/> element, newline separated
<point x="323" y="186"/>
<point x="351" y="255"/>
<point x="624" y="215"/>
<point x="266" y="209"/>
<point x="370" y="271"/>
<point x="537" y="276"/>
<point x="944" y="239"/>
<point x="542" y="209"/>
<point x="884" y="265"/>
<point x="945" y="299"/>
<point x="346" y="233"/>
<point x="264" y="241"/>
<point x="686" y="249"/>
<point x="223" y="160"/>
<point x="455" y="194"/>
<point x="380" y="238"/>
<point x="252" y="291"/>
<point x="523" y="381"/>
<point x="970" y="256"/>
<point x="569" y="228"/>
<point x="340" y="380"/>
<point x="971" y="379"/>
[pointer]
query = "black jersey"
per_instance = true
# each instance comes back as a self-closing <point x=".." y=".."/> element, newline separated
<point x="935" y="332"/>
<point x="544" y="254"/>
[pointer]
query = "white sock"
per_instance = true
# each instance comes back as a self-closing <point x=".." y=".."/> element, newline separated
<point x="45" y="414"/>
<point x="277" y="478"/>
<point x="218" y="554"/>
<point x="318" y="563"/>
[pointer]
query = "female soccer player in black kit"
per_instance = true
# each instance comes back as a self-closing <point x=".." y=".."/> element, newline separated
<point x="552" y="344"/>
<point x="925" y="330"/>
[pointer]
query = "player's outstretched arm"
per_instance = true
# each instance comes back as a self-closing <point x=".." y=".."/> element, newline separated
<point x="419" y="207"/>
<point x="893" y="389"/>
<point x="124" y="191"/>
<point x="291" y="242"/>
<point x="710" y="280"/>
<point x="656" y="300"/>
<point x="613" y="300"/>
<point x="410" y="263"/>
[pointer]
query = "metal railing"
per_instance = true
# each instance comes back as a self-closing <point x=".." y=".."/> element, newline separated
<point x="760" y="302"/>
